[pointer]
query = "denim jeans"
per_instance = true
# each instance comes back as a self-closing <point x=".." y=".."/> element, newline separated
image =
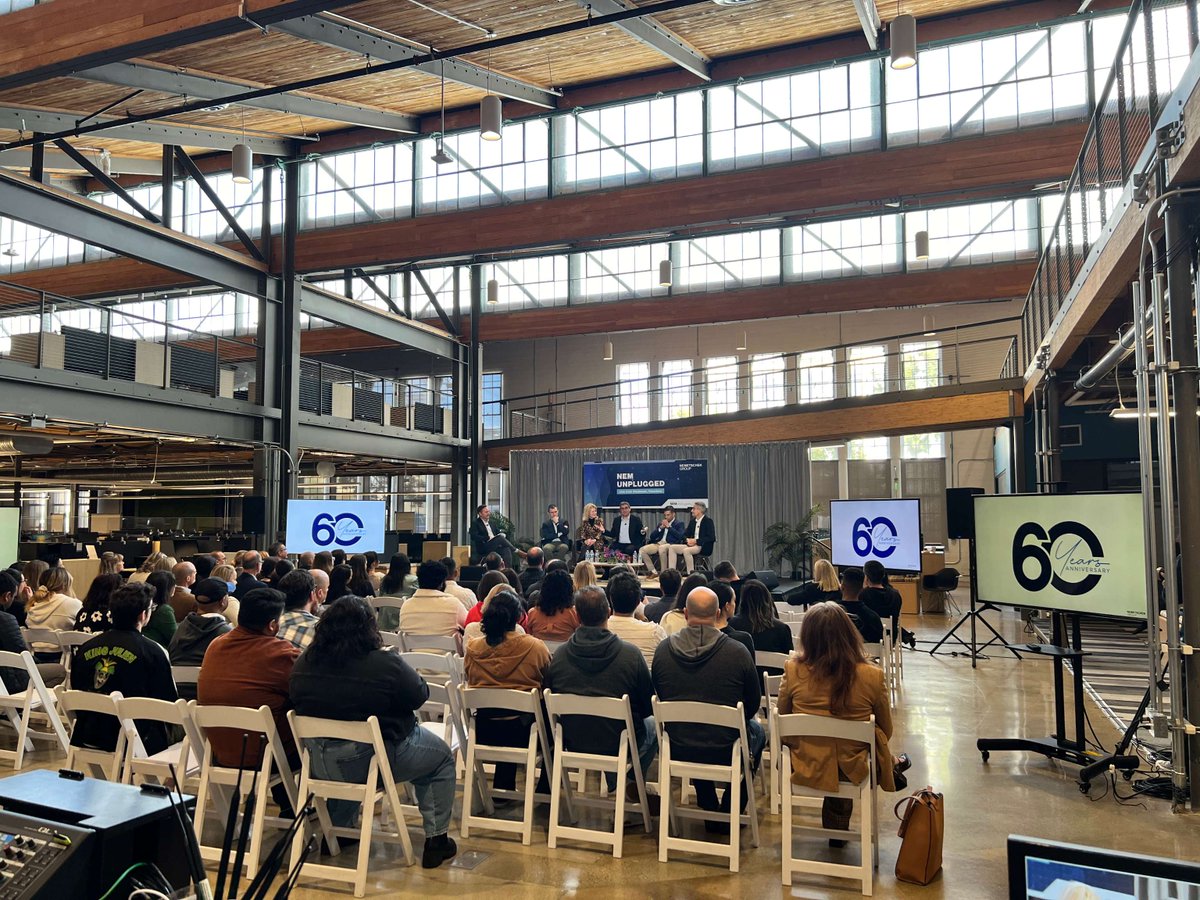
<point x="422" y="758"/>
<point x="647" y="750"/>
<point x="706" y="791"/>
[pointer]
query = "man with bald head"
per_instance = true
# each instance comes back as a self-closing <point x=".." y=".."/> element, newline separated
<point x="701" y="664"/>
<point x="181" y="600"/>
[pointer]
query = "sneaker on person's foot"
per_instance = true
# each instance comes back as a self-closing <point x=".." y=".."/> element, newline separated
<point x="438" y="849"/>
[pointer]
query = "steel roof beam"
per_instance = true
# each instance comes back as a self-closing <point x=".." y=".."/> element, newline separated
<point x="658" y="37"/>
<point x="60" y="162"/>
<point x="868" y="15"/>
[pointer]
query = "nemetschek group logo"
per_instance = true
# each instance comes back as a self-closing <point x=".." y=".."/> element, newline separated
<point x="1067" y="556"/>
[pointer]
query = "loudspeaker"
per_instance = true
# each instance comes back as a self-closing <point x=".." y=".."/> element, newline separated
<point x="960" y="512"/>
<point x="254" y="515"/>
<point x="769" y="577"/>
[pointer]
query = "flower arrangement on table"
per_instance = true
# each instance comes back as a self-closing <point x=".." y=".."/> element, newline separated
<point x="612" y="555"/>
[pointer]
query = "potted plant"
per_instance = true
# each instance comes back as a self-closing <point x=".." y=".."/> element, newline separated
<point x="791" y="541"/>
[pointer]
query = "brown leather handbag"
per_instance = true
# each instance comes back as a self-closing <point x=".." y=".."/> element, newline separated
<point x="921" y="828"/>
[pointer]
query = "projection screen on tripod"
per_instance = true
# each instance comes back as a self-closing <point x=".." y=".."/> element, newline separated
<point x="1077" y="553"/>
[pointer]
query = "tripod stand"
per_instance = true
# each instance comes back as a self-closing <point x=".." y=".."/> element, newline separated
<point x="975" y="614"/>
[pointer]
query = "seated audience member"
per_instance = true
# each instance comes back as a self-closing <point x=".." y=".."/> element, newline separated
<point x="430" y="610"/>
<point x="283" y="568"/>
<point x="556" y="534"/>
<point x="305" y="560"/>
<point x="122" y="659"/>
<point x="155" y="562"/>
<point x="465" y="595"/>
<point x="514" y="581"/>
<point x="668" y="583"/>
<point x="658" y="544"/>
<point x="701" y="664"/>
<point x="219" y="556"/>
<point x="11" y="639"/>
<point x="32" y="573"/>
<point x="590" y="533"/>
<point x="865" y="619"/>
<point x="346" y="674"/>
<point x="824" y="586"/>
<point x="486" y="588"/>
<point x="248" y="580"/>
<point x="323" y="561"/>
<point x="625" y="596"/>
<point x="267" y="571"/>
<point x="250" y="666"/>
<point x="597" y="662"/>
<point x="339" y="582"/>
<point x="627" y="531"/>
<point x="202" y="626"/>
<point x="111" y="563"/>
<point x="278" y="550"/>
<point x="340" y="557"/>
<point x="675" y="619"/>
<point x="53" y="605"/>
<point x="699" y="537"/>
<point x="181" y="600"/>
<point x="360" y="579"/>
<point x="485" y="539"/>
<point x="373" y="572"/>
<point x="492" y="562"/>
<point x="757" y="618"/>
<point x="726" y="604"/>
<point x="204" y="563"/>
<point x="504" y="658"/>
<point x="93" y="616"/>
<point x="162" y="624"/>
<point x="228" y="575"/>
<point x="558" y="565"/>
<point x="725" y="573"/>
<point x="585" y="575"/>
<point x="474" y="627"/>
<point x="554" y="618"/>
<point x="829" y="677"/>
<point x="399" y="581"/>
<point x="534" y="570"/>
<point x="24" y="594"/>
<point x="301" y="599"/>
<point x="885" y="600"/>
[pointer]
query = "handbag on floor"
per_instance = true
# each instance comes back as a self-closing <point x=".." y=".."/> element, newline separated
<point x="921" y="827"/>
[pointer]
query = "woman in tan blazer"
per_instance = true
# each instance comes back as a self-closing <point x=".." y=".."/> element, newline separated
<point x="830" y="677"/>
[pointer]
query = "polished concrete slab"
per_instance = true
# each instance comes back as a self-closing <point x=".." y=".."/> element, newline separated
<point x="944" y="706"/>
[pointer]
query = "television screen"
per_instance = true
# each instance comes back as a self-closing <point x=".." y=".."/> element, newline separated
<point x="885" y="530"/>
<point x="1080" y="553"/>
<point x="1048" y="870"/>
<point x="646" y="484"/>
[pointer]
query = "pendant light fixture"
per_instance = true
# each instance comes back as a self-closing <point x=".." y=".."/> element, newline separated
<point x="491" y="111"/>
<point x="664" y="273"/>
<point x="922" y="244"/>
<point x="441" y="157"/>
<point x="744" y="343"/>
<point x="493" y="291"/>
<point x="106" y="162"/>
<point x="903" y="50"/>
<point x="928" y="325"/>
<point x="608" y="351"/>
<point x="243" y="159"/>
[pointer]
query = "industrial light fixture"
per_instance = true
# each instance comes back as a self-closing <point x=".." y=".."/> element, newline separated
<point x="243" y="164"/>
<point x="922" y="244"/>
<point x="744" y="343"/>
<point x="664" y="273"/>
<point x="105" y="162"/>
<point x="928" y="324"/>
<point x="903" y="49"/>
<point x="441" y="157"/>
<point x="608" y="351"/>
<point x="491" y="114"/>
<point x="493" y="291"/>
<point x="1125" y="412"/>
<point x="9" y="251"/>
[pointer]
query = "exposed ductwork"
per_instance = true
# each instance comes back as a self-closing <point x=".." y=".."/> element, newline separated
<point x="1116" y="355"/>
<point x="26" y="445"/>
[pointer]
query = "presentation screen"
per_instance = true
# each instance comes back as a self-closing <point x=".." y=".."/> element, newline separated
<point x="646" y="483"/>
<point x="355" y="526"/>
<point x="885" y="530"/>
<point x="1080" y="553"/>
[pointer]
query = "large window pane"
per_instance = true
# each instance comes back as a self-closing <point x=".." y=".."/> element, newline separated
<point x="920" y="365"/>
<point x="633" y="405"/>
<point x="767" y="387"/>
<point x="729" y="261"/>
<point x="866" y="370"/>
<point x="676" y="389"/>
<point x="815" y="376"/>
<point x="484" y="173"/>
<point x="721" y="385"/>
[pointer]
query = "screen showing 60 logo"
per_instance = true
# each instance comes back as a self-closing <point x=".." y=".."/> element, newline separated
<point x="875" y="537"/>
<point x="354" y="526"/>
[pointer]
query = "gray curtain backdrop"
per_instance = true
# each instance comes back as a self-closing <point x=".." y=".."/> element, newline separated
<point x="750" y="487"/>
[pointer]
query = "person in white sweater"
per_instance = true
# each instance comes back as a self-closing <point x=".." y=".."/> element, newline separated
<point x="53" y="606"/>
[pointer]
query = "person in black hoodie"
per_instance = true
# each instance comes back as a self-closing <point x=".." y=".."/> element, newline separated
<point x="346" y="674"/>
<point x="202" y="626"/>
<point x="597" y="663"/>
<point x="11" y="639"/>
<point x="121" y="659"/>
<point x="701" y="664"/>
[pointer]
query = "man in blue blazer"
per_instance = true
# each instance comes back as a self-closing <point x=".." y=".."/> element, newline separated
<point x="669" y="532"/>
<point x="698" y="538"/>
<point x="556" y="534"/>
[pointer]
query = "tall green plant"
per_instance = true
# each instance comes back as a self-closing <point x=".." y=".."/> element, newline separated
<point x="790" y="541"/>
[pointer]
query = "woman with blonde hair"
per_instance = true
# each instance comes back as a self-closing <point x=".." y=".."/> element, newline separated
<point x="590" y="533"/>
<point x="830" y="677"/>
<point x="585" y="575"/>
<point x="111" y="563"/>
<point x="825" y="585"/>
<point x="228" y="574"/>
<point x="155" y="562"/>
<point x="53" y="606"/>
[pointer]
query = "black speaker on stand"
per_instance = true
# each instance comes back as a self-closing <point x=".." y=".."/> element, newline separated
<point x="960" y="512"/>
<point x="254" y="515"/>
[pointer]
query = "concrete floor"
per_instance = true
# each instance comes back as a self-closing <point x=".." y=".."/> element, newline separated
<point x="943" y="708"/>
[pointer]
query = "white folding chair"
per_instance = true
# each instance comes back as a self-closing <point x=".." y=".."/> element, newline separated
<point x="185" y="675"/>
<point x="537" y="749"/>
<point x="771" y="685"/>
<point x="70" y="641"/>
<point x="53" y="673"/>
<point x="180" y="756"/>
<point x="217" y="779"/>
<point x="392" y="640"/>
<point x="864" y="795"/>
<point x="19" y="707"/>
<point x="104" y="764"/>
<point x="378" y="785"/>
<point x="439" y="642"/>
<point x="880" y="653"/>
<point x="794" y="625"/>
<point x="765" y="659"/>
<point x="553" y="646"/>
<point x="694" y="713"/>
<point x="898" y="659"/>
<point x="560" y="705"/>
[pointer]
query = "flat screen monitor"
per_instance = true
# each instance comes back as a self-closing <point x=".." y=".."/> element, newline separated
<point x="646" y="484"/>
<point x="1048" y="870"/>
<point x="1076" y="553"/>
<point x="885" y="530"/>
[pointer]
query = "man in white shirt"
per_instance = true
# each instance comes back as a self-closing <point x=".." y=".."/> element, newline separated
<point x="698" y="539"/>
<point x="625" y="596"/>
<point x="627" y="531"/>
<point x="430" y="610"/>
<point x="465" y="596"/>
<point x="485" y="539"/>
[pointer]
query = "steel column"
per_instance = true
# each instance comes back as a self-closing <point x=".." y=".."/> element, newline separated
<point x="289" y="314"/>
<point x="168" y="182"/>
<point x="475" y="377"/>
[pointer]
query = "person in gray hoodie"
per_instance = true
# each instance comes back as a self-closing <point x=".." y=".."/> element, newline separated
<point x="594" y="662"/>
<point x="200" y="628"/>
<point x="701" y="664"/>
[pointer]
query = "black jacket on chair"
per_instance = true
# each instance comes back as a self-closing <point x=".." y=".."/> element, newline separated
<point x="707" y="536"/>
<point x="561" y="533"/>
<point x="636" y="538"/>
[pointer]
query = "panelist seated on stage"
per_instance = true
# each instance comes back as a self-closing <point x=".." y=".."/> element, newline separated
<point x="698" y="539"/>
<point x="658" y="544"/>
<point x="556" y="535"/>
<point x="485" y="539"/>
<point x="627" y="531"/>
<point x="590" y="534"/>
